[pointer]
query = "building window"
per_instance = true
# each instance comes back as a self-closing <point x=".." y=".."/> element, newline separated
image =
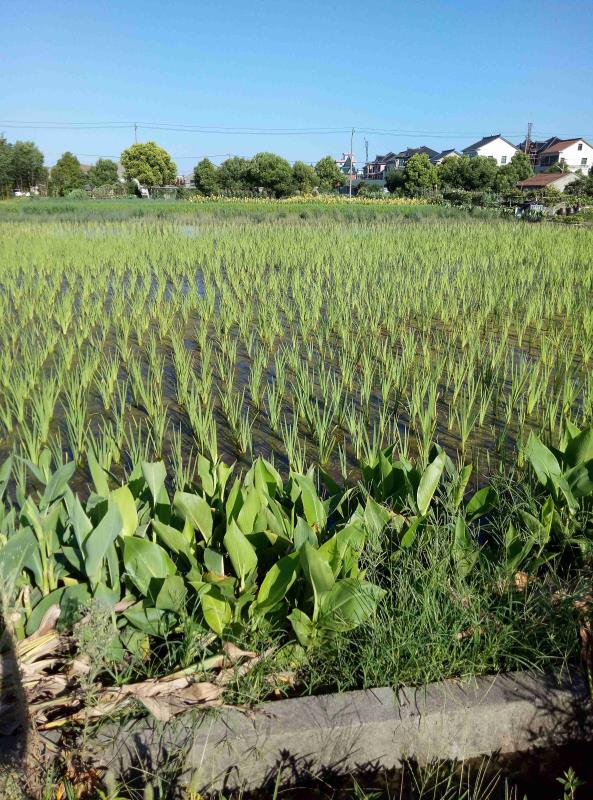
<point x="580" y="146"/>
<point x="503" y="159"/>
<point x="583" y="162"/>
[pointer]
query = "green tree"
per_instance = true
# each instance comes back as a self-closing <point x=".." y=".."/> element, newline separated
<point x="6" y="171"/>
<point x="66" y="175"/>
<point x="328" y="174"/>
<point x="419" y="174"/>
<point x="233" y="174"/>
<point x="582" y="187"/>
<point x="149" y="164"/>
<point x="272" y="173"/>
<point x="27" y="165"/>
<point x="472" y="174"/>
<point x="206" y="177"/>
<point x="509" y="175"/>
<point x="304" y="177"/>
<point x="103" y="173"/>
<point x="394" y="179"/>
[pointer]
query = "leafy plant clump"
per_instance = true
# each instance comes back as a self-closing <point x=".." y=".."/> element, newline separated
<point x="296" y="566"/>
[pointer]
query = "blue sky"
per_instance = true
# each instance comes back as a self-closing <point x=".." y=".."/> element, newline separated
<point x="436" y="73"/>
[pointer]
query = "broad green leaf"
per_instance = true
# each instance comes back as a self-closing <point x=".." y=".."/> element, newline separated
<point x="303" y="533"/>
<point x="313" y="506"/>
<point x="81" y="524"/>
<point x="580" y="448"/>
<point x="429" y="482"/>
<point x="173" y="539"/>
<point x="171" y="595"/>
<point x="348" y="604"/>
<point x="376" y="517"/>
<point x="14" y="554"/>
<point x="266" y="478"/>
<point x="217" y="611"/>
<point x="57" y="484"/>
<point x="461" y="485"/>
<point x="234" y="500"/>
<point x="154" y="474"/>
<point x="77" y="595"/>
<point x="252" y="503"/>
<point x="412" y="531"/>
<point x="98" y="540"/>
<point x="303" y="627"/>
<point x="124" y="500"/>
<point x="241" y="552"/>
<point x="580" y="479"/>
<point x="214" y="561"/>
<point x="464" y="550"/>
<point x="194" y="508"/>
<point x="145" y="560"/>
<point x="543" y="461"/>
<point x="5" y="471"/>
<point x="317" y="571"/>
<point x="481" y="503"/>
<point x="98" y="474"/>
<point x="277" y="582"/>
<point x="153" y="621"/>
<point x="207" y="475"/>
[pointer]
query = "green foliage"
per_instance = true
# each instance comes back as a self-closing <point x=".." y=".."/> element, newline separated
<point x="149" y="164"/>
<point x="6" y="167"/>
<point x="304" y="177"/>
<point x="582" y="187"/>
<point x="27" y="165"/>
<point x="103" y="173"/>
<point x="232" y="559"/>
<point x="271" y="173"/>
<point x="21" y="166"/>
<point x="328" y="174"/>
<point x="233" y="174"/>
<point x="206" y="177"/>
<point x="468" y="173"/>
<point x="365" y="189"/>
<point x="509" y="175"/>
<point x="66" y="175"/>
<point x="395" y="179"/>
<point x="420" y="175"/>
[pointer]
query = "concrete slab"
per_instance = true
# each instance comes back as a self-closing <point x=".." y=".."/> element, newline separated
<point x="355" y="732"/>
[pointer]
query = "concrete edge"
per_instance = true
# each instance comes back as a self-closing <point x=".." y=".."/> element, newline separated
<point x="354" y="732"/>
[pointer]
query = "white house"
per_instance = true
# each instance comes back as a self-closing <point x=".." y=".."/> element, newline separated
<point x="440" y="157"/>
<point x="495" y="147"/>
<point x="571" y="154"/>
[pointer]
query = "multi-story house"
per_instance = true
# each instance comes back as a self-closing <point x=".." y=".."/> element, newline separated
<point x="495" y="146"/>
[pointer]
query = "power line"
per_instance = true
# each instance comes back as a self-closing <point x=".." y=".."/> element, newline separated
<point x="224" y="130"/>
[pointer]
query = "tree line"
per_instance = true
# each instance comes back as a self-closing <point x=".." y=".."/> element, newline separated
<point x="22" y="167"/>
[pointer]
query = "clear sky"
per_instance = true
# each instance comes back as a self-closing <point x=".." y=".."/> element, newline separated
<point x="437" y="73"/>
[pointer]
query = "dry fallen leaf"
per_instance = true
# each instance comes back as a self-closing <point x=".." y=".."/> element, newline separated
<point x="520" y="581"/>
<point x="235" y="653"/>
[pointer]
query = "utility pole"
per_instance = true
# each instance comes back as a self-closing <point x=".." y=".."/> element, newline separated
<point x="366" y="151"/>
<point x="351" y="164"/>
<point x="135" y="133"/>
<point x="528" y="138"/>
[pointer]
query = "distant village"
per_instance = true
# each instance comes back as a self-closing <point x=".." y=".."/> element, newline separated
<point x="571" y="156"/>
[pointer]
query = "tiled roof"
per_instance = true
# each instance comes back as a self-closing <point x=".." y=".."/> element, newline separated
<point x="558" y="147"/>
<point x="543" y="179"/>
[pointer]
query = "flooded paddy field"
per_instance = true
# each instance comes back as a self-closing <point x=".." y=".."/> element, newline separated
<point x="309" y="341"/>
